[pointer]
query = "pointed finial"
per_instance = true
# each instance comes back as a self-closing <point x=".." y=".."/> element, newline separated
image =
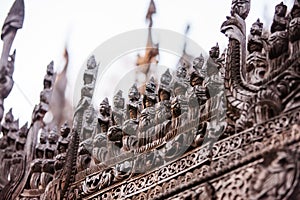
<point x="133" y="93"/>
<point x="166" y="77"/>
<point x="151" y="11"/>
<point x="23" y="130"/>
<point x="151" y="86"/>
<point x="9" y="117"/>
<point x="14" y="19"/>
<point x="15" y="125"/>
<point x="91" y="62"/>
<point x="258" y="23"/>
<point x="50" y="70"/>
<point x="105" y="102"/>
<point x="119" y="93"/>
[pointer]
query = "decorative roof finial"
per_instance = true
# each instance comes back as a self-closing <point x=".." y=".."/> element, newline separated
<point x="151" y="11"/>
<point x="12" y="23"/>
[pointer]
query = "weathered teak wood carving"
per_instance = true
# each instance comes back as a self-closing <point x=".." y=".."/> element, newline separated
<point x="225" y="127"/>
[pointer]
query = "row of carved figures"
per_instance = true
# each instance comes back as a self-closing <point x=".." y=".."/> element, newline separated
<point x="188" y="97"/>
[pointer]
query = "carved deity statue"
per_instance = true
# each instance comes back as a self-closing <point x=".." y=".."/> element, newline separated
<point x="200" y="91"/>
<point x="40" y="148"/>
<point x="64" y="138"/>
<point x="134" y="97"/>
<point x="280" y="21"/>
<point x="118" y="112"/>
<point x="147" y="119"/>
<point x="255" y="42"/>
<point x="21" y="138"/>
<point x="99" y="153"/>
<point x="214" y="79"/>
<point x="163" y="107"/>
<point x="130" y="128"/>
<point x="90" y="123"/>
<point x="198" y="63"/>
<point x="51" y="146"/>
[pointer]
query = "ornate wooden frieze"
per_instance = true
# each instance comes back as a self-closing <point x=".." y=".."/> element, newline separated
<point x="222" y="127"/>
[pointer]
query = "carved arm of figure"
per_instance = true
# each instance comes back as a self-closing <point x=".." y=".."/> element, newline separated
<point x="114" y="143"/>
<point x="36" y="169"/>
<point x="47" y="172"/>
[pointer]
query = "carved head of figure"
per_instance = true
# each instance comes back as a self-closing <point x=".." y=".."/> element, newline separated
<point x="133" y="93"/>
<point x="241" y="8"/>
<point x="164" y="91"/>
<point x="181" y="71"/>
<point x="23" y="130"/>
<point x="43" y="136"/>
<point x="8" y="119"/>
<point x="50" y="70"/>
<point x="53" y="136"/>
<point x="149" y="98"/>
<point x="65" y="130"/>
<point x="256" y="28"/>
<point x="280" y="10"/>
<point x="104" y="107"/>
<point x="214" y="52"/>
<point x="91" y="62"/>
<point x="179" y="87"/>
<point x="119" y="101"/>
<point x="198" y="62"/>
<point x="295" y="12"/>
<point x="132" y="110"/>
<point x="195" y="78"/>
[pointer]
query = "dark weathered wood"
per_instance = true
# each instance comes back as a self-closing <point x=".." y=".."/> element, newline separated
<point x="222" y="127"/>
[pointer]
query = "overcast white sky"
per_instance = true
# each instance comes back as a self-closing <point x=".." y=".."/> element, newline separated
<point x="83" y="25"/>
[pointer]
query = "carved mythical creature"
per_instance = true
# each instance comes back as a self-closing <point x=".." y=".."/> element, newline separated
<point x="12" y="23"/>
<point x="240" y="8"/>
<point x="237" y="90"/>
<point x="276" y="178"/>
